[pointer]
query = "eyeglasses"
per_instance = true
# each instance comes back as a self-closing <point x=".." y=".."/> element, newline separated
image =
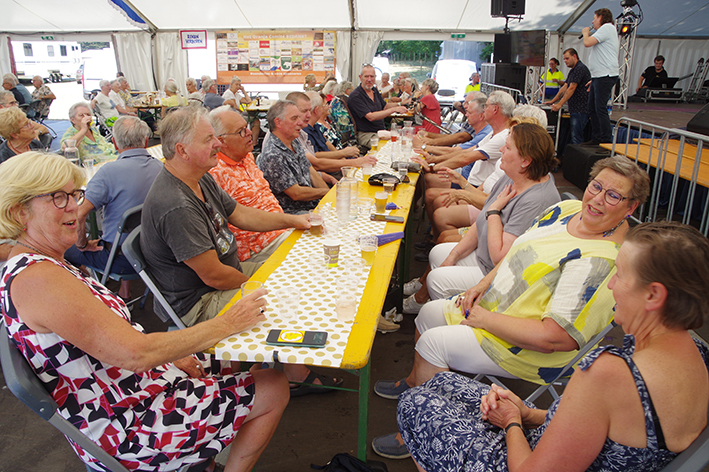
<point x="28" y="125"/>
<point x="61" y="198"/>
<point x="215" y="217"/>
<point x="611" y="196"/>
<point x="241" y="132"/>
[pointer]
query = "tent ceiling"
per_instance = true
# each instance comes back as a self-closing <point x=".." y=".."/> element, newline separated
<point x="684" y="18"/>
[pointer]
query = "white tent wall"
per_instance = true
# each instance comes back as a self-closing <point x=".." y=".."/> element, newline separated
<point x="170" y="60"/>
<point x="134" y="51"/>
<point x="364" y="45"/>
<point x="343" y="47"/>
<point x="5" y="63"/>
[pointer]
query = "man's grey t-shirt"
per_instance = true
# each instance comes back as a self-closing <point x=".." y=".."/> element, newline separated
<point x="177" y="226"/>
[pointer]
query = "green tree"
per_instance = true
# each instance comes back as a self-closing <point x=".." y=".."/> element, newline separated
<point x="486" y="53"/>
<point x="409" y="47"/>
<point x="87" y="45"/>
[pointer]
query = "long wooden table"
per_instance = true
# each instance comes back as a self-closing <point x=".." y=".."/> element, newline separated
<point x="361" y="336"/>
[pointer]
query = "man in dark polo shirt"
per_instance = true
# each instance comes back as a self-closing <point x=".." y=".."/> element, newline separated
<point x="368" y="108"/>
<point x="651" y="73"/>
<point x="574" y="91"/>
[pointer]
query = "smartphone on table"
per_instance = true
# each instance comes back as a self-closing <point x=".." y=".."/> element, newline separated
<point x="297" y="338"/>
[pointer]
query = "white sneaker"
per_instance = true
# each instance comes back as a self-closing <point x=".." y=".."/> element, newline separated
<point x="411" y="306"/>
<point x="412" y="287"/>
<point x="386" y="326"/>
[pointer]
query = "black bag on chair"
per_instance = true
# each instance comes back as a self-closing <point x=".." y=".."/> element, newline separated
<point x="347" y="463"/>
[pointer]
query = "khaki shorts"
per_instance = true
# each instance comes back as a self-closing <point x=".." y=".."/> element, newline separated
<point x="208" y="306"/>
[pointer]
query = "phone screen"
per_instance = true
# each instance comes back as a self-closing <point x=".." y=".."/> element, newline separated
<point x="278" y="337"/>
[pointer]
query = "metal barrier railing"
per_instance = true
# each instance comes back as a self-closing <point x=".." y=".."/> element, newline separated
<point x="670" y="183"/>
<point x="487" y="89"/>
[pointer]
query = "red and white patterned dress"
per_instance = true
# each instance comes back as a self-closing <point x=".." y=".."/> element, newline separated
<point x="155" y="421"/>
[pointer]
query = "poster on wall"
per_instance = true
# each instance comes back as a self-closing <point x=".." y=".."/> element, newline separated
<point x="274" y="57"/>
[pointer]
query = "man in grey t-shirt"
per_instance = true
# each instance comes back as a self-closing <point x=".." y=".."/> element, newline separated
<point x="185" y="237"/>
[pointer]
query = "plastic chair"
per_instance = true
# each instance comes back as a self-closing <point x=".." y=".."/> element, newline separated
<point x="561" y="378"/>
<point x="129" y="221"/>
<point x="26" y="386"/>
<point x="132" y="251"/>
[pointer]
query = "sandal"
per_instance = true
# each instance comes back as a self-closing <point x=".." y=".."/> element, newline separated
<point x="305" y="388"/>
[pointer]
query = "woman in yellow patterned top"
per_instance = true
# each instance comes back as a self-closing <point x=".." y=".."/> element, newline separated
<point x="547" y="297"/>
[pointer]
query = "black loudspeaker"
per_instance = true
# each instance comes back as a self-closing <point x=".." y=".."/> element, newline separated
<point x="502" y="8"/>
<point x="700" y="122"/>
<point x="502" y="51"/>
<point x="578" y="160"/>
<point x="510" y="75"/>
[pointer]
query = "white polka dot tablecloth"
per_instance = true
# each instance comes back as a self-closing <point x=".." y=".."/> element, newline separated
<point x="316" y="308"/>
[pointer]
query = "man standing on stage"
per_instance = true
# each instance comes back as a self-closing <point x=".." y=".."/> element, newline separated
<point x="603" y="64"/>
<point x="574" y="91"/>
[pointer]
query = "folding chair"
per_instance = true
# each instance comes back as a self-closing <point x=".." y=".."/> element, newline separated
<point x="26" y="386"/>
<point x="129" y="221"/>
<point x="132" y="251"/>
<point x="561" y="378"/>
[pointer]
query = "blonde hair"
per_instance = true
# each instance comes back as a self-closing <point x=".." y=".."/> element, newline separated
<point x="27" y="175"/>
<point x="10" y="121"/>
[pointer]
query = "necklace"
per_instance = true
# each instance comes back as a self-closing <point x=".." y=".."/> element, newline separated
<point x="612" y="230"/>
<point x="32" y="248"/>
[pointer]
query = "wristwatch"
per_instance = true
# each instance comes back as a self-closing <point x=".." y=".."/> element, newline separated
<point x="492" y="212"/>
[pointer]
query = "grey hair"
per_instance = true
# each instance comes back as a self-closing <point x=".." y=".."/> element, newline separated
<point x="74" y="107"/>
<point x="532" y="112"/>
<point x="179" y="127"/>
<point x="278" y="110"/>
<point x="216" y="117"/>
<point x="432" y="85"/>
<point x="11" y="78"/>
<point x="122" y="80"/>
<point x="207" y="84"/>
<point x="329" y="87"/>
<point x="478" y="103"/>
<point x="504" y="100"/>
<point x="130" y="132"/>
<point x="191" y="80"/>
<point x="315" y="99"/>
<point x="171" y="86"/>
<point x="6" y="97"/>
<point x="103" y="82"/>
<point x="344" y="86"/>
<point x="235" y="78"/>
<point x="38" y="77"/>
<point x="412" y="81"/>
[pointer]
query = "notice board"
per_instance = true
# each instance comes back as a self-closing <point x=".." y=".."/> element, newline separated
<point x="274" y="56"/>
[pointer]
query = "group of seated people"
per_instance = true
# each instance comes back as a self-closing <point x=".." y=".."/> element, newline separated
<point x="531" y="281"/>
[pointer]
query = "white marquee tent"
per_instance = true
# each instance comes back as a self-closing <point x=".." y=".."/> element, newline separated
<point x="145" y="32"/>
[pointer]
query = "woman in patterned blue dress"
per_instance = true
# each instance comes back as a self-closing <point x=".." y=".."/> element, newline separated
<point x="146" y="399"/>
<point x="632" y="408"/>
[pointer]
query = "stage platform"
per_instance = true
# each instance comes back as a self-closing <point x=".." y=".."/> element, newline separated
<point x="670" y="115"/>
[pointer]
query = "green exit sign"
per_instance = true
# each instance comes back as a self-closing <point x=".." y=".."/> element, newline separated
<point x="48" y="38"/>
<point x="457" y="35"/>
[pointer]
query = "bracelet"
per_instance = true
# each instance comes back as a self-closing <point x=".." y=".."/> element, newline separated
<point x="492" y="212"/>
<point x="84" y="246"/>
<point x="512" y="425"/>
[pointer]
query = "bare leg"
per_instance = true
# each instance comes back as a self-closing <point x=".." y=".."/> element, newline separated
<point x="124" y="291"/>
<point x="271" y="399"/>
<point x="420" y="469"/>
<point x="423" y="371"/>
<point x="450" y="236"/>
<point x="453" y="217"/>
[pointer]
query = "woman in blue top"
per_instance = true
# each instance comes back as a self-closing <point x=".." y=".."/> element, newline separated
<point x="632" y="408"/>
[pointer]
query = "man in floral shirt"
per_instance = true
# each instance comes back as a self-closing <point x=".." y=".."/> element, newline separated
<point x="237" y="173"/>
<point x="42" y="92"/>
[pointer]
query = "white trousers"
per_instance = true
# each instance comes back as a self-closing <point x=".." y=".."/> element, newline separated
<point x="444" y="282"/>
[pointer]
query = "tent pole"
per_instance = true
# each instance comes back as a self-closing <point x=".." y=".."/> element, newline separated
<point x="585" y="5"/>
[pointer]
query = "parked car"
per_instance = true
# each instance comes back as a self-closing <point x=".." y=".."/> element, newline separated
<point x="452" y="75"/>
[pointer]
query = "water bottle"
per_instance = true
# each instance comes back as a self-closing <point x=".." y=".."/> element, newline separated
<point x="609" y="106"/>
<point x="342" y="202"/>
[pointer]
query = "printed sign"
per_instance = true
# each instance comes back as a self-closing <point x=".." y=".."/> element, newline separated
<point x="193" y="39"/>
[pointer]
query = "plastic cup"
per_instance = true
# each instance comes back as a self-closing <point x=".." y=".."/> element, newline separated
<point x="288" y="299"/>
<point x="403" y="169"/>
<point x="366" y="172"/>
<point x="380" y="201"/>
<point x="249" y="287"/>
<point x="318" y="266"/>
<point x="316" y="223"/>
<point x="365" y="207"/>
<point x="346" y="301"/>
<point x="331" y="248"/>
<point x="374" y="143"/>
<point x="368" y="247"/>
<point x="389" y="185"/>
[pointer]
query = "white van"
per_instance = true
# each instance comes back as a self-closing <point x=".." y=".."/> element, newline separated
<point x="51" y="60"/>
<point x="452" y="75"/>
